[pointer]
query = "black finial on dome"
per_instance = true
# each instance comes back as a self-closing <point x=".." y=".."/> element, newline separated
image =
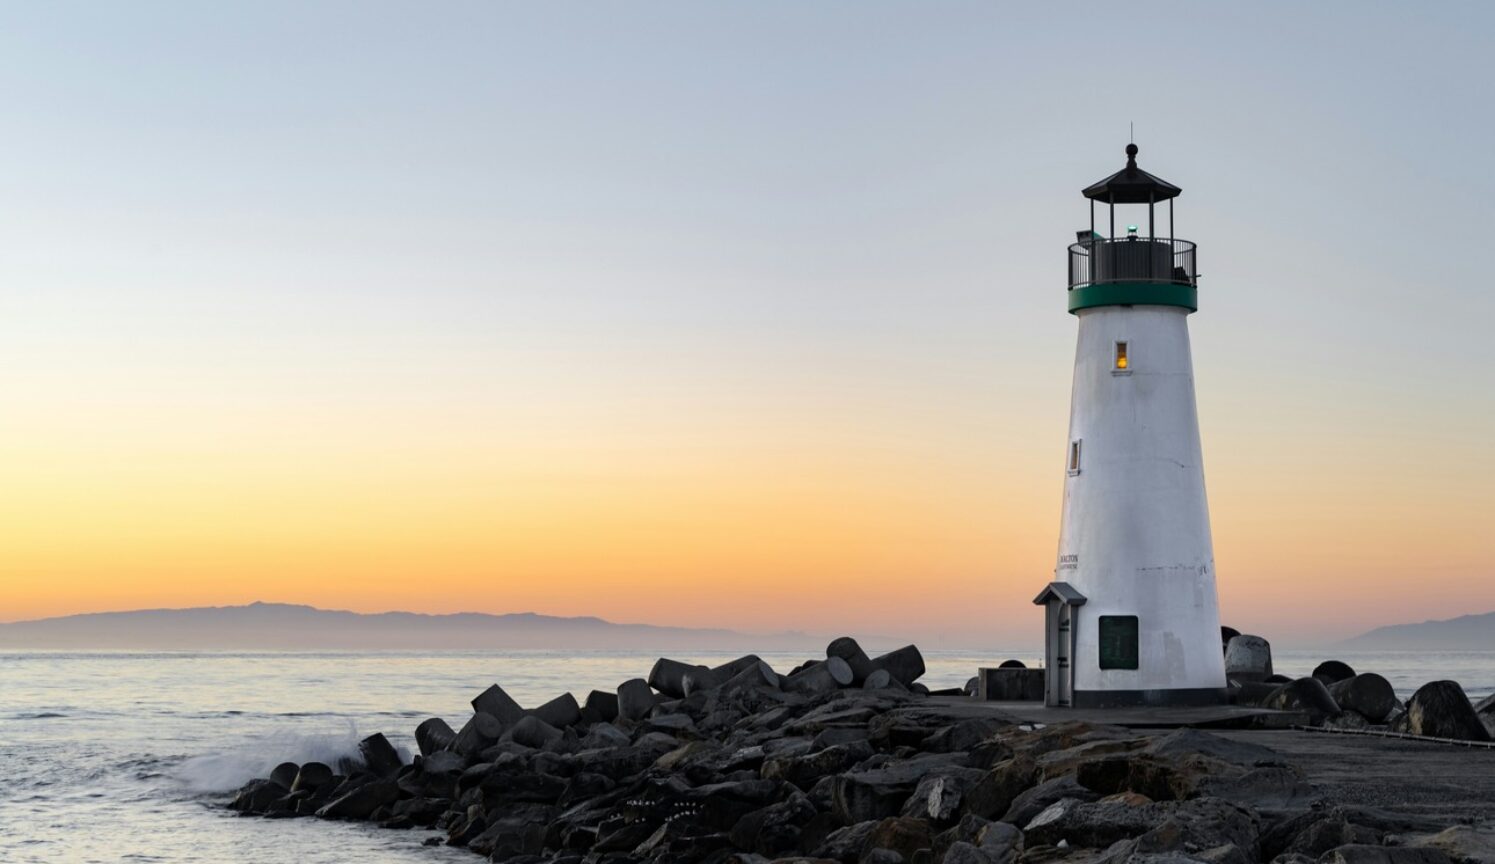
<point x="1131" y="185"/>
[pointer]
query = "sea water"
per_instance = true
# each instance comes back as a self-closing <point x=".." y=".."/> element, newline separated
<point x="109" y="757"/>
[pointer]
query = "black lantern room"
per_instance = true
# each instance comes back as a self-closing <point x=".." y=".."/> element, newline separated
<point x="1134" y="268"/>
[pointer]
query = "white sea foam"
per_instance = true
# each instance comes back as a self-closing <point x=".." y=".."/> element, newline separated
<point x="232" y="768"/>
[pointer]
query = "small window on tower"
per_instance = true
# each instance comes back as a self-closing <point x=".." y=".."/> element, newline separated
<point x="1074" y="457"/>
<point x="1122" y="364"/>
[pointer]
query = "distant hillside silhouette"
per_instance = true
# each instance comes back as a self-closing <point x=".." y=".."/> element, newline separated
<point x="279" y="626"/>
<point x="1466" y="633"/>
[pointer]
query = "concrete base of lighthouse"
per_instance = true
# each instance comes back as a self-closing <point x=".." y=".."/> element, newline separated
<point x="1136" y="698"/>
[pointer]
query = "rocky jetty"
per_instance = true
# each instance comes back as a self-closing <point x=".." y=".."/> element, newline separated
<point x="844" y="759"/>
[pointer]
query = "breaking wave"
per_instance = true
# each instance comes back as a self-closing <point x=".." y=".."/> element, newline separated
<point x="229" y="769"/>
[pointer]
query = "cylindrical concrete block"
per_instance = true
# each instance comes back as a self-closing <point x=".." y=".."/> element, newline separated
<point x="531" y="731"/>
<point x="285" y="774"/>
<point x="635" y="700"/>
<point x="1368" y="694"/>
<point x="379" y="755"/>
<point x="733" y="668"/>
<point x="1308" y="695"/>
<point x="481" y="732"/>
<point x="760" y="674"/>
<point x="562" y="711"/>
<point x="831" y="674"/>
<point x="1248" y="658"/>
<point x="1331" y="671"/>
<point x="847" y="649"/>
<point x="668" y="676"/>
<point x="434" y="735"/>
<point x="498" y="703"/>
<point x="906" y="664"/>
<point x="311" y="775"/>
<point x="604" y="704"/>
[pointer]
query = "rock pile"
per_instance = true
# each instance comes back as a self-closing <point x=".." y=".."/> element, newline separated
<point x="843" y="759"/>
<point x="1335" y="696"/>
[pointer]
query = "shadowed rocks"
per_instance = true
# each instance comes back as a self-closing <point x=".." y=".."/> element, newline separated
<point x="845" y="760"/>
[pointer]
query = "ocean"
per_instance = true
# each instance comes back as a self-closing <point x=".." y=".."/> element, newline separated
<point x="115" y="757"/>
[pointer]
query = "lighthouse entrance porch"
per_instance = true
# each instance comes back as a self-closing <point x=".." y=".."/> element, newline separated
<point x="1060" y="600"/>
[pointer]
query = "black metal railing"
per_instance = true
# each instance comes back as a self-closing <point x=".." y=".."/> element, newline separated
<point x="1132" y="259"/>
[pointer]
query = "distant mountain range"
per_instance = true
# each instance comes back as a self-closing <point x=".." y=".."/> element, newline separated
<point x="1465" y="633"/>
<point x="280" y="626"/>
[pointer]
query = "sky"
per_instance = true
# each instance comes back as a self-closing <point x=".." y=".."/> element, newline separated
<point x="734" y="314"/>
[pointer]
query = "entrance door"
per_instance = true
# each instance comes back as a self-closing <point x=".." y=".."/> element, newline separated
<point x="1059" y="680"/>
<point x="1063" y="671"/>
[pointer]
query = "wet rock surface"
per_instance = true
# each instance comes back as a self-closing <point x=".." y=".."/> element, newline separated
<point x="846" y="760"/>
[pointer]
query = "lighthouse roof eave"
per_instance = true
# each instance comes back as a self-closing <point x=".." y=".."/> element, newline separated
<point x="1131" y="185"/>
<point x="1061" y="591"/>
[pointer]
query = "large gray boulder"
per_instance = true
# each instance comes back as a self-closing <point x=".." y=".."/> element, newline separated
<point x="1248" y="658"/>
<point x="1439" y="709"/>
<point x="1369" y="695"/>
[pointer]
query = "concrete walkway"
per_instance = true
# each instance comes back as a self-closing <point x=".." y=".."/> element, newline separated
<point x="1147" y="717"/>
<point x="1397" y="774"/>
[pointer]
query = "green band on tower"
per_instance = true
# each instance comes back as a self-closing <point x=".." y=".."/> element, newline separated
<point x="1134" y="294"/>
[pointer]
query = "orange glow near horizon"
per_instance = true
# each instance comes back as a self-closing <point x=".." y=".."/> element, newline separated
<point x="807" y="514"/>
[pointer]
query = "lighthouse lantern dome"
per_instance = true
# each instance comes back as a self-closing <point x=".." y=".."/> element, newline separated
<point x="1154" y="268"/>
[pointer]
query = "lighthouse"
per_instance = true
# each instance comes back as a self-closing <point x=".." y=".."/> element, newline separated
<point x="1131" y="616"/>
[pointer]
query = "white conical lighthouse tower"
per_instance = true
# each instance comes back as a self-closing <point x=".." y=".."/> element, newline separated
<point x="1131" y="616"/>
